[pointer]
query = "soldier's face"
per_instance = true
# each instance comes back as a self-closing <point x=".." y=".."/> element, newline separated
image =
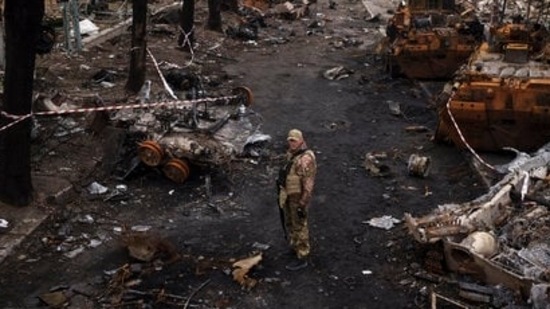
<point x="294" y="144"/>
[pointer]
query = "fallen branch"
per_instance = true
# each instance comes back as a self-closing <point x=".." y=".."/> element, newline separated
<point x="195" y="292"/>
<point x="141" y="293"/>
<point x="166" y="86"/>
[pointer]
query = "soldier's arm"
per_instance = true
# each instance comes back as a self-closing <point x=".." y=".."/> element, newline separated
<point x="306" y="170"/>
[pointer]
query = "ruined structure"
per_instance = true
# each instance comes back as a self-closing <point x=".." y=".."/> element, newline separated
<point x="204" y="132"/>
<point x="499" y="238"/>
<point x="501" y="98"/>
<point x="430" y="39"/>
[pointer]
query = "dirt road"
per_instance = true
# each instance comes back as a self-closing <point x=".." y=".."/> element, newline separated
<point x="354" y="265"/>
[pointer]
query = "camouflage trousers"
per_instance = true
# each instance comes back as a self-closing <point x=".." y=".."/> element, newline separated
<point x="296" y="226"/>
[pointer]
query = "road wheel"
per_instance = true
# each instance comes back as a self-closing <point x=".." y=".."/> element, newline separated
<point x="150" y="153"/>
<point x="176" y="170"/>
<point x="245" y="94"/>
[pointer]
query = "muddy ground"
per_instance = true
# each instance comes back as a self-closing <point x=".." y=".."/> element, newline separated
<point x="353" y="265"/>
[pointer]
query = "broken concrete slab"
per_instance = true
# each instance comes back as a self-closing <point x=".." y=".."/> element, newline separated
<point x="24" y="220"/>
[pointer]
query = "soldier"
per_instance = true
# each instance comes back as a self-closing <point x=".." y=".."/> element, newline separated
<point x="295" y="186"/>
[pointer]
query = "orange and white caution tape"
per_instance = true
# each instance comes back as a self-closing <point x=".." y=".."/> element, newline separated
<point x="16" y="121"/>
<point x="165" y="104"/>
<point x="462" y="138"/>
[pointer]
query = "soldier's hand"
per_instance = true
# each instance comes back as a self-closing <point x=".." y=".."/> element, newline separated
<point x="301" y="212"/>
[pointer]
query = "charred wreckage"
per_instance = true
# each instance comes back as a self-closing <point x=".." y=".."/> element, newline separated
<point x="205" y="132"/>
<point x="430" y="39"/>
<point x="498" y="99"/>
<point x="174" y="136"/>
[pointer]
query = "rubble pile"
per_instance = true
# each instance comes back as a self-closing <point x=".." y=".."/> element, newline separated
<point x="499" y="238"/>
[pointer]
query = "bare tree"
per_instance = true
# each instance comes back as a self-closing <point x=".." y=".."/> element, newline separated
<point x="22" y="26"/>
<point x="136" y="76"/>
<point x="214" y="15"/>
<point x="214" y="12"/>
<point x="230" y="5"/>
<point x="186" y="38"/>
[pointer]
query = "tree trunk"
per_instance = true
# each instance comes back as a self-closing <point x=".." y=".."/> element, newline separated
<point x="214" y="15"/>
<point x="2" y="40"/>
<point x="230" y="5"/>
<point x="22" y="25"/>
<point x="187" y="20"/>
<point x="136" y="76"/>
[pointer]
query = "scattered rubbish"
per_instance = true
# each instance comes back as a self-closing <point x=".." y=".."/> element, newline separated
<point x="144" y="93"/>
<point x="260" y="246"/>
<point x="104" y="75"/>
<point x="87" y="27"/>
<point x="43" y="103"/>
<point x="86" y="219"/>
<point x="141" y="228"/>
<point x="4" y="223"/>
<point x="73" y="253"/>
<point x="418" y="129"/>
<point x="394" y="107"/>
<point x="475" y="292"/>
<point x="337" y="73"/>
<point x="256" y="145"/>
<point x="54" y="299"/>
<point x="181" y="79"/>
<point x="385" y="222"/>
<point x="68" y="132"/>
<point x="539" y="296"/>
<point x="244" y="32"/>
<point x="419" y="166"/>
<point x="374" y="166"/>
<point x="132" y="283"/>
<point x="96" y="188"/>
<point x="491" y="237"/>
<point x="241" y="269"/>
<point x="287" y="10"/>
<point x="106" y="84"/>
<point x="118" y="194"/>
<point x="366" y="272"/>
<point x="94" y="243"/>
<point x="145" y="246"/>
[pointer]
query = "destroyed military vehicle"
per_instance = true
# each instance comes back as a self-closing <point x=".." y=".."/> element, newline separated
<point x="430" y="39"/>
<point x="501" y="237"/>
<point x="203" y="132"/>
<point x="501" y="97"/>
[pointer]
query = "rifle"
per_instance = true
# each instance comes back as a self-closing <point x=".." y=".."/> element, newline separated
<point x="280" y="183"/>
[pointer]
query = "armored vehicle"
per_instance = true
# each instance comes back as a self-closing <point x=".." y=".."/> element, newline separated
<point x="501" y="98"/>
<point x="205" y="132"/>
<point x="430" y="39"/>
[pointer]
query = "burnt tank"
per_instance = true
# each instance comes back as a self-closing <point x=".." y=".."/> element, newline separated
<point x="430" y="39"/>
<point x="501" y="97"/>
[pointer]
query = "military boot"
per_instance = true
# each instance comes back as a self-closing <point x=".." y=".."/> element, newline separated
<point x="297" y="264"/>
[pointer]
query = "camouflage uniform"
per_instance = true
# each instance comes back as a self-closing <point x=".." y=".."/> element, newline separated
<point x="295" y="196"/>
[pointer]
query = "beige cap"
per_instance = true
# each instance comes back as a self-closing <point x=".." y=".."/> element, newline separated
<point x="294" y="135"/>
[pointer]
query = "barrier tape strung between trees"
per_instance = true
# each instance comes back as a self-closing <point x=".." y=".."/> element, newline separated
<point x="462" y="138"/>
<point x="169" y="104"/>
